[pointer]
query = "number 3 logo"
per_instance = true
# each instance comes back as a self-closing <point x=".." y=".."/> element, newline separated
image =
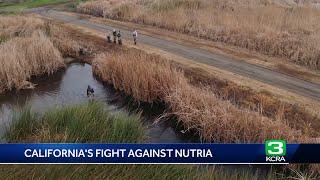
<point x="275" y="148"/>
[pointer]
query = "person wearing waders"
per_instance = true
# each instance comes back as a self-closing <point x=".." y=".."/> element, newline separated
<point x="135" y="35"/>
<point x="119" y="38"/>
<point x="114" y="36"/>
<point x="90" y="92"/>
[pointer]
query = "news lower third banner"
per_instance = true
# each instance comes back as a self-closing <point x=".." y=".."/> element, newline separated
<point x="274" y="151"/>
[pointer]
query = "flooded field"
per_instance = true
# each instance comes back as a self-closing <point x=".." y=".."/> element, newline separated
<point x="69" y="87"/>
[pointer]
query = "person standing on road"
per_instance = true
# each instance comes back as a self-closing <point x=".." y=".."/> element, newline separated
<point x="135" y="35"/>
<point x="119" y="38"/>
<point x="109" y="37"/>
<point x="114" y="36"/>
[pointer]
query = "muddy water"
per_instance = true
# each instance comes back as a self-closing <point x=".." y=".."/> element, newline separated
<point x="69" y="87"/>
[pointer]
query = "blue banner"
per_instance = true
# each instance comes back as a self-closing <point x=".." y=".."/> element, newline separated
<point x="275" y="151"/>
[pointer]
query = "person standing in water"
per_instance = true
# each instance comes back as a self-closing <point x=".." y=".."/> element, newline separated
<point x="90" y="92"/>
<point x="135" y="35"/>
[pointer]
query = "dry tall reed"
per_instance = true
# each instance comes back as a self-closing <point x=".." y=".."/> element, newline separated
<point x="13" y="26"/>
<point x="33" y="46"/>
<point x="22" y="58"/>
<point x="263" y="102"/>
<point x="61" y="39"/>
<point x="292" y="33"/>
<point x="220" y="121"/>
<point x="20" y="26"/>
<point x="149" y="79"/>
<point x="138" y="74"/>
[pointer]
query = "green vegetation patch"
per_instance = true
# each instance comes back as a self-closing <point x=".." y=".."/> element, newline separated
<point x="89" y="123"/>
<point x="2" y="38"/>
<point x="127" y="172"/>
<point x="18" y="7"/>
<point x="80" y="123"/>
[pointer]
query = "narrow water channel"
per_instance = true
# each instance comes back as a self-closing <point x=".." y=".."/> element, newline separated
<point x="69" y="87"/>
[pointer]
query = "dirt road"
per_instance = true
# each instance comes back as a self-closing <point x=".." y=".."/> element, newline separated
<point x="290" y="83"/>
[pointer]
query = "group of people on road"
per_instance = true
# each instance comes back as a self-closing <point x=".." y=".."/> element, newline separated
<point x="117" y="37"/>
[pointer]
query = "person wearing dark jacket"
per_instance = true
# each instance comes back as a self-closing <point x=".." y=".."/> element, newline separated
<point x="90" y="91"/>
<point x="114" y="36"/>
<point x="119" y="38"/>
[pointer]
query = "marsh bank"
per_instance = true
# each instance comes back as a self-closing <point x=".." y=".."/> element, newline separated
<point x="68" y="87"/>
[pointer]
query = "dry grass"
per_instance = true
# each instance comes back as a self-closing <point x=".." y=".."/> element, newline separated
<point x="13" y="26"/>
<point x="22" y="58"/>
<point x="292" y="33"/>
<point x="65" y="41"/>
<point x="70" y="40"/>
<point x="123" y="71"/>
<point x="263" y="102"/>
<point x="220" y="121"/>
<point x="103" y="8"/>
<point x="148" y="78"/>
<point x="30" y="46"/>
